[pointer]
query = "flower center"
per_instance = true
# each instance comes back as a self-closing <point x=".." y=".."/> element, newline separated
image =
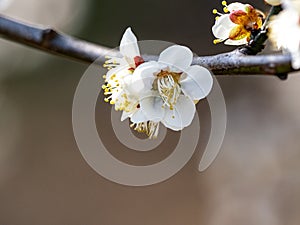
<point x="168" y="87"/>
<point x="150" y="128"/>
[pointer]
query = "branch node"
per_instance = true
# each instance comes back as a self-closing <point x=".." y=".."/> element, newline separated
<point x="282" y="76"/>
<point x="47" y="35"/>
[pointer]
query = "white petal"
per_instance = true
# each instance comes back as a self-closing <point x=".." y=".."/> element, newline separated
<point x="296" y="59"/>
<point x="236" y="42"/>
<point x="151" y="106"/>
<point x="143" y="77"/>
<point x="222" y="27"/>
<point x="198" y="82"/>
<point x="182" y="116"/>
<point x="125" y="115"/>
<point x="273" y="2"/>
<point x="118" y="71"/>
<point x="236" y="6"/>
<point x="138" y="117"/>
<point x="128" y="46"/>
<point x="4" y="4"/>
<point x="177" y="56"/>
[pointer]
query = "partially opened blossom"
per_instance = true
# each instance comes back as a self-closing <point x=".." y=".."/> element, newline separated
<point x="285" y="30"/>
<point x="120" y="68"/>
<point x="237" y="24"/>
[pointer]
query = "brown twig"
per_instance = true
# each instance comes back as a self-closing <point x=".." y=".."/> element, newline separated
<point x="49" y="40"/>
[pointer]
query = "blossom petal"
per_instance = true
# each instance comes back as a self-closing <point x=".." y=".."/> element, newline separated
<point x="198" y="82"/>
<point x="138" y="117"/>
<point x="143" y="77"/>
<point x="128" y="45"/>
<point x="236" y="6"/>
<point x="273" y="2"/>
<point x="177" y="56"/>
<point x="222" y="27"/>
<point x="236" y="42"/>
<point x="182" y="116"/>
<point x="151" y="106"/>
<point x="125" y="115"/>
<point x="122" y="63"/>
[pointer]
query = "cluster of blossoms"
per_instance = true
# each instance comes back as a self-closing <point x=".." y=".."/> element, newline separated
<point x="240" y="21"/>
<point x="154" y="92"/>
<point x="237" y="24"/>
<point x="285" y="29"/>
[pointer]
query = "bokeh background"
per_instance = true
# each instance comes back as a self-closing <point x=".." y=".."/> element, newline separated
<point x="45" y="180"/>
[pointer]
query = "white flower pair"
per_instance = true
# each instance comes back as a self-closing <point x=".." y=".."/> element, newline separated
<point x="163" y="91"/>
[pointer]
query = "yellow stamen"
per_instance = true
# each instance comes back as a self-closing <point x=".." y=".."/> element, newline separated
<point x="225" y="9"/>
<point x="217" y="41"/>
<point x="224" y="3"/>
<point x="215" y="11"/>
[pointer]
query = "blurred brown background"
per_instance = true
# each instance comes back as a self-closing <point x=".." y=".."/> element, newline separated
<point x="45" y="180"/>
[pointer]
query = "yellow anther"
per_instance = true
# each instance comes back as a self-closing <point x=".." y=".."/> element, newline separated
<point x="103" y="86"/>
<point x="224" y="3"/>
<point x="215" y="11"/>
<point x="108" y="85"/>
<point x="106" y="100"/>
<point x="106" y="90"/>
<point x="225" y="9"/>
<point x="217" y="17"/>
<point x="104" y="76"/>
<point x="112" y="102"/>
<point x="217" y="41"/>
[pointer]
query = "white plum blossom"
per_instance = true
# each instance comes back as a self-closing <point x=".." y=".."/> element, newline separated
<point x="169" y="89"/>
<point x="150" y="93"/>
<point x="236" y="25"/>
<point x="285" y="30"/>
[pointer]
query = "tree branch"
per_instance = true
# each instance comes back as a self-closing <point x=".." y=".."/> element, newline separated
<point x="51" y="41"/>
